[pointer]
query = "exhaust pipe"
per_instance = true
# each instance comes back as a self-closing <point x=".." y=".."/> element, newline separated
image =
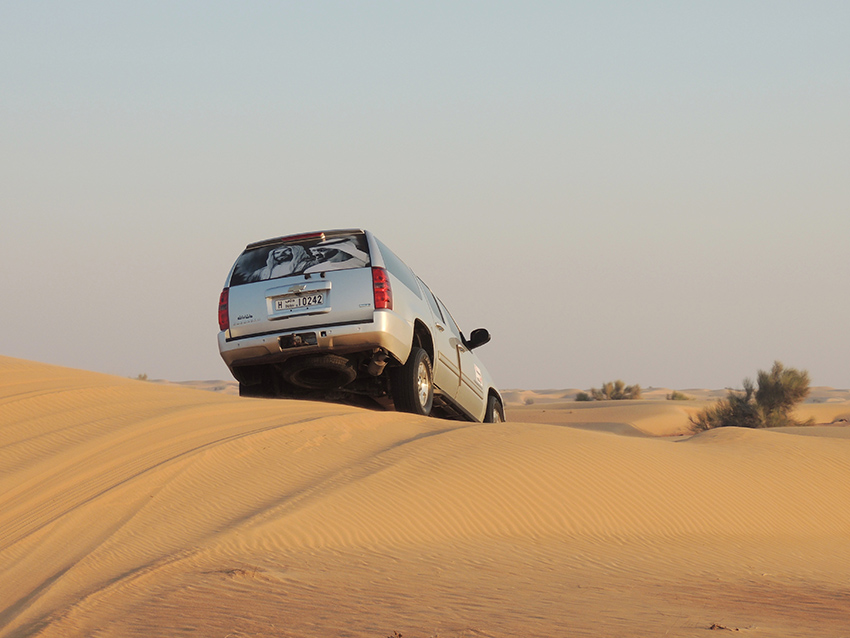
<point x="378" y="363"/>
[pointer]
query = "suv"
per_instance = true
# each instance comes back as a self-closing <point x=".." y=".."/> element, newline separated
<point x="336" y="315"/>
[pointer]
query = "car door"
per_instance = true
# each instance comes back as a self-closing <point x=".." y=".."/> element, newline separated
<point x="446" y="364"/>
<point x="471" y="394"/>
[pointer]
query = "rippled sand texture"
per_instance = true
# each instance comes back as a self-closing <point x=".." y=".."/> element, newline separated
<point x="136" y="509"/>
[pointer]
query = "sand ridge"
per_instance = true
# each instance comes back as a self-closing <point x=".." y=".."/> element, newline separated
<point x="130" y="508"/>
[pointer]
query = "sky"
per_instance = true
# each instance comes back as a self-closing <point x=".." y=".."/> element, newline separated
<point x="655" y="192"/>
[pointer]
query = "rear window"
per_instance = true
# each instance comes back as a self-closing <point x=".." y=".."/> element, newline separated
<point x="398" y="268"/>
<point x="319" y="253"/>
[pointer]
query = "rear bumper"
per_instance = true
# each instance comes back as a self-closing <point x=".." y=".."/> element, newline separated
<point x="387" y="330"/>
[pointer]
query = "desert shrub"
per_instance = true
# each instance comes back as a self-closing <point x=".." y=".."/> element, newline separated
<point x="528" y="401"/>
<point x="615" y="390"/>
<point x="778" y="392"/>
<point x="142" y="377"/>
<point x="583" y="396"/>
<point x="678" y="396"/>
<point x="737" y="409"/>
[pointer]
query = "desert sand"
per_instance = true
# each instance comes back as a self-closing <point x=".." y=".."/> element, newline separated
<point x="130" y="508"/>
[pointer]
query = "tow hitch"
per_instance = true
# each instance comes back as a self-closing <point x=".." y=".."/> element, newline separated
<point x="297" y="340"/>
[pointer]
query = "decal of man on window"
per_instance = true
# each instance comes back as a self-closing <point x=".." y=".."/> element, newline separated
<point x="337" y="254"/>
<point x="283" y="261"/>
<point x="296" y="259"/>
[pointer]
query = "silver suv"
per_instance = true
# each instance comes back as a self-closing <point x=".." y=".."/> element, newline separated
<point x="336" y="315"/>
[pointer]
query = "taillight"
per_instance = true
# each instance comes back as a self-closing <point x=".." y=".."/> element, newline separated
<point x="382" y="289"/>
<point x="223" y="313"/>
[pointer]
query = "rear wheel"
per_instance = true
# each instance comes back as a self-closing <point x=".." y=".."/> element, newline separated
<point x="263" y="390"/>
<point x="413" y="385"/>
<point x="256" y="381"/>
<point x="495" y="412"/>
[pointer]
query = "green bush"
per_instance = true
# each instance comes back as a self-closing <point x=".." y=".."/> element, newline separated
<point x="583" y="396"/>
<point x="768" y="407"/>
<point x="678" y="396"/>
<point x="615" y="391"/>
<point x="779" y="391"/>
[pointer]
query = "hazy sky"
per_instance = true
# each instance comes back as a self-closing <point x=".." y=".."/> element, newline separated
<point x="652" y="191"/>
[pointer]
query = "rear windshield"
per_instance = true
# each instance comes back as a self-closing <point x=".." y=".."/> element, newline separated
<point x="313" y="255"/>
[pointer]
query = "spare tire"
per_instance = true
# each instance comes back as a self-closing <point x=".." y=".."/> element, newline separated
<point x="319" y="372"/>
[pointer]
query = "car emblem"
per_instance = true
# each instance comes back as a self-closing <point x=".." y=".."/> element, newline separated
<point x="297" y="288"/>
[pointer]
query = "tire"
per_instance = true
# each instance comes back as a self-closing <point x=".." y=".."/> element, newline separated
<point x="256" y="381"/>
<point x="320" y="372"/>
<point x="262" y="390"/>
<point x="255" y="391"/>
<point x="413" y="384"/>
<point x="495" y="412"/>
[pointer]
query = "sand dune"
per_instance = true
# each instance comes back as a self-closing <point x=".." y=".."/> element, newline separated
<point x="137" y="509"/>
<point x="653" y="414"/>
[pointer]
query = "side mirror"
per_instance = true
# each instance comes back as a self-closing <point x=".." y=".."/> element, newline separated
<point x="477" y="338"/>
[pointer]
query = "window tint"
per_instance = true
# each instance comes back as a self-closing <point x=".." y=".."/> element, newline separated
<point x="450" y="320"/>
<point x="313" y="255"/>
<point x="399" y="269"/>
<point x="432" y="301"/>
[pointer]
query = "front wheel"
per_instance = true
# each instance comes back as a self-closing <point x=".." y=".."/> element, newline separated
<point x="413" y="385"/>
<point x="495" y="411"/>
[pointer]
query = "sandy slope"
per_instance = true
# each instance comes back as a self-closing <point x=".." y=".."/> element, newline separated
<point x="136" y="509"/>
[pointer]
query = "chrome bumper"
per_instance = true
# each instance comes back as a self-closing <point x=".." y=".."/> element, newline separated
<point x="387" y="330"/>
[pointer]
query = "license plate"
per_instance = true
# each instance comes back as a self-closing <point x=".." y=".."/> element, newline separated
<point x="299" y="301"/>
